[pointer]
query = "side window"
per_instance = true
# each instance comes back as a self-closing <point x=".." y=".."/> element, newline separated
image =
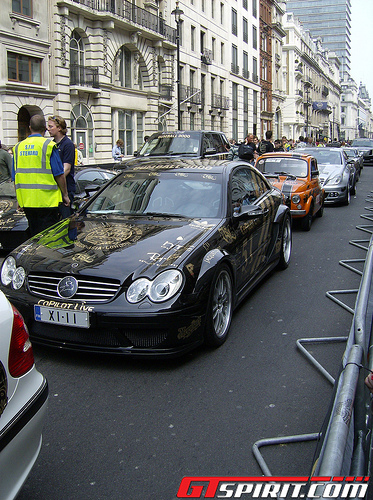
<point x="247" y="187"/>
<point x="313" y="166"/>
<point x="208" y="142"/>
<point x="218" y="143"/>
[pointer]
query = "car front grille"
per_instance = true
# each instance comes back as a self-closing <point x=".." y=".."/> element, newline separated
<point x="90" y="289"/>
<point x="100" y="337"/>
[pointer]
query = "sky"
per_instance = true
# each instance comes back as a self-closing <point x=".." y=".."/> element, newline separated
<point x="362" y="43"/>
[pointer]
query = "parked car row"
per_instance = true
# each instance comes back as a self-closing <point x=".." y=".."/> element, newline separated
<point x="153" y="263"/>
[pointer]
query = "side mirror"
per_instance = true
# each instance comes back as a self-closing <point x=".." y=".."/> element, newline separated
<point x="315" y="173"/>
<point x="210" y="151"/>
<point x="248" y="212"/>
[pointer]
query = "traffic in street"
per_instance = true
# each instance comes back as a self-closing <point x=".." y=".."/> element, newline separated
<point x="130" y="428"/>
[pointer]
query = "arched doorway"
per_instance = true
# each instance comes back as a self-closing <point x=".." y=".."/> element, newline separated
<point x="82" y="130"/>
<point x="23" y="119"/>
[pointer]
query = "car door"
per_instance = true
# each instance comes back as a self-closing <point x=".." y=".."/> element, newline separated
<point x="315" y="186"/>
<point x="253" y="236"/>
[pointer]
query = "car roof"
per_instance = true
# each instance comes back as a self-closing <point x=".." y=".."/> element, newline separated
<point x="187" y="164"/>
<point x="288" y="154"/>
<point x="179" y="132"/>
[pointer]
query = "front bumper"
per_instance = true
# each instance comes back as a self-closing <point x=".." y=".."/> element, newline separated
<point x="167" y="333"/>
<point x="334" y="194"/>
<point x="298" y="213"/>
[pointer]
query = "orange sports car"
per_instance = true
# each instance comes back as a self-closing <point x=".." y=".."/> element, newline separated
<point x="297" y="176"/>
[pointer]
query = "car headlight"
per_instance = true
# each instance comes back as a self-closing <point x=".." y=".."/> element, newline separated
<point x="295" y="199"/>
<point x="162" y="288"/>
<point x="10" y="273"/>
<point x="335" y="180"/>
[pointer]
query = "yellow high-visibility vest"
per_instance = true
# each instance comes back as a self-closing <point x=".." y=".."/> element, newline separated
<point x="35" y="184"/>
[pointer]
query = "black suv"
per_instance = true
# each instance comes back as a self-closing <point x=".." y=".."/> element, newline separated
<point x="364" y="146"/>
<point x="186" y="144"/>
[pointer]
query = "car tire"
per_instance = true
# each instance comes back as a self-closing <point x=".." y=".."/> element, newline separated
<point x="220" y="307"/>
<point x="286" y="243"/>
<point x="348" y="197"/>
<point x="320" y="211"/>
<point x="307" y="221"/>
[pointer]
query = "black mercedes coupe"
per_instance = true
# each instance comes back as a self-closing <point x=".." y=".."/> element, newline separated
<point x="155" y="262"/>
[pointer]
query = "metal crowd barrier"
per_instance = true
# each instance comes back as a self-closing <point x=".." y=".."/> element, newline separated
<point x="344" y="447"/>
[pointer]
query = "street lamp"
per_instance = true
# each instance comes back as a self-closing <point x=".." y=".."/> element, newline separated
<point x="178" y="13"/>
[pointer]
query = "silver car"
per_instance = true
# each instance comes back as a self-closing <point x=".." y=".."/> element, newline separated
<point x="337" y="174"/>
<point x="23" y="402"/>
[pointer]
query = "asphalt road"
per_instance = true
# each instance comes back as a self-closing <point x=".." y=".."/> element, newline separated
<point x="127" y="429"/>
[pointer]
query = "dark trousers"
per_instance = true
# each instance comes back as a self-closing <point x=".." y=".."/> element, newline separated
<point x="66" y="211"/>
<point x="41" y="218"/>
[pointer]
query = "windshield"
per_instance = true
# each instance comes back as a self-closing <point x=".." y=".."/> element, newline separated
<point x="368" y="143"/>
<point x="160" y="193"/>
<point x="291" y="166"/>
<point x="7" y="188"/>
<point x="172" y="144"/>
<point x="325" y="156"/>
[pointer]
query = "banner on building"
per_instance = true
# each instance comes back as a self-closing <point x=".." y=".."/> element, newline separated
<point x="319" y="105"/>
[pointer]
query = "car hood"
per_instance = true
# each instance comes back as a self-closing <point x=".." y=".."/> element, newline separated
<point x="114" y="247"/>
<point x="329" y="171"/>
<point x="289" y="185"/>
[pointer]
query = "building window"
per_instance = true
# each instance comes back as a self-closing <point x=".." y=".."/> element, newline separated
<point x="245" y="111"/>
<point x="255" y="10"/>
<point x="140" y="130"/>
<point x="245" y="65"/>
<point x="213" y="8"/>
<point x="255" y="38"/>
<point x="234" y="22"/>
<point x="234" y="67"/>
<point x="234" y="110"/>
<point x="244" y="4"/>
<point x="76" y="49"/>
<point x="255" y="111"/>
<point x="24" y="68"/>
<point x="193" y="38"/>
<point x="125" y="130"/>
<point x="123" y="68"/>
<point x="213" y="48"/>
<point x="221" y="13"/>
<point x="202" y="41"/>
<point x="245" y="35"/>
<point x="22" y="7"/>
<point x="82" y="129"/>
<point x="255" y="70"/>
<point x="264" y="100"/>
<point x="221" y="53"/>
<point x="203" y="5"/>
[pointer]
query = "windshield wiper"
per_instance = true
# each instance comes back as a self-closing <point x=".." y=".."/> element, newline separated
<point x="292" y="176"/>
<point x="160" y="214"/>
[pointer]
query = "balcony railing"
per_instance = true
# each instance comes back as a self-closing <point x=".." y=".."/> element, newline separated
<point x="219" y="101"/>
<point x="190" y="93"/>
<point x="246" y="73"/>
<point x="235" y="69"/>
<point x="85" y="76"/>
<point x="131" y="12"/>
<point x="165" y="92"/>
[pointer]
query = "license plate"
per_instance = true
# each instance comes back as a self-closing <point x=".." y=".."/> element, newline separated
<point x="78" y="319"/>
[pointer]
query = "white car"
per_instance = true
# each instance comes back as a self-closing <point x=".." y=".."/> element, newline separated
<point x="23" y="402"/>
